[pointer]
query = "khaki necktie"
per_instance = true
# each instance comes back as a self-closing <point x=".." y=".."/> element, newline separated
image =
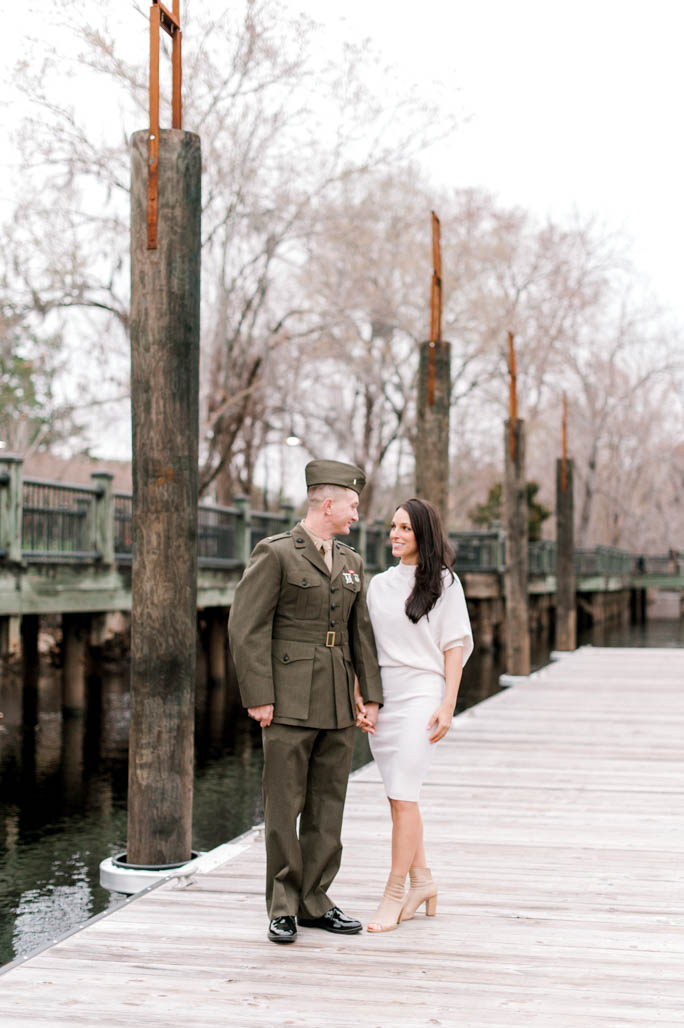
<point x="326" y="553"/>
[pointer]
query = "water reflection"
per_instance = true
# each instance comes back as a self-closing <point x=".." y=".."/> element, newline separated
<point x="63" y="781"/>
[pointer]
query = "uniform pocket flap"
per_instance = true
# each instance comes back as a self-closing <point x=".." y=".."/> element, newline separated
<point x="302" y="581"/>
<point x="285" y="651"/>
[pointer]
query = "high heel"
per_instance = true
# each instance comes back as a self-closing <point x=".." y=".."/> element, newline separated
<point x="422" y="890"/>
<point x="388" y="914"/>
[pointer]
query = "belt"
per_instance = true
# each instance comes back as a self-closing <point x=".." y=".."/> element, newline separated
<point x="338" y="638"/>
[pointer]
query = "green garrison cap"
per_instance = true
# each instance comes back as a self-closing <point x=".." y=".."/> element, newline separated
<point x="334" y="472"/>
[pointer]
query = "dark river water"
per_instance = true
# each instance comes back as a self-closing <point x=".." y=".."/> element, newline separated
<point x="63" y="782"/>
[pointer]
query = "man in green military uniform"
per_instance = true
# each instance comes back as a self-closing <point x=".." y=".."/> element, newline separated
<point x="299" y="632"/>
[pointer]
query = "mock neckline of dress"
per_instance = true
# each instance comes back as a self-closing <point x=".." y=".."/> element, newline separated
<point x="407" y="570"/>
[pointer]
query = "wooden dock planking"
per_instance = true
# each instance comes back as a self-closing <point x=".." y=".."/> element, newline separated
<point x="554" y="825"/>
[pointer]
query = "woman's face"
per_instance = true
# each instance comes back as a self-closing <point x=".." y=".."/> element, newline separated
<point x="403" y="540"/>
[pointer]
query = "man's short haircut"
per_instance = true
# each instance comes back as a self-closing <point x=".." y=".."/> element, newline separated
<point x="316" y="494"/>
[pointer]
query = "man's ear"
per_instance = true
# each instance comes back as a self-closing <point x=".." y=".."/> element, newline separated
<point x="326" y="506"/>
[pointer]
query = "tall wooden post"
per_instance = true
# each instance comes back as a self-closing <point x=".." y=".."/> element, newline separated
<point x="566" y="607"/>
<point x="165" y="410"/>
<point x="434" y="397"/>
<point x="516" y="526"/>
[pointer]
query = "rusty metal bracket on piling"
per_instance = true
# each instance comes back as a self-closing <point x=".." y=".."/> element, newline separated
<point x="435" y="306"/>
<point x="161" y="18"/>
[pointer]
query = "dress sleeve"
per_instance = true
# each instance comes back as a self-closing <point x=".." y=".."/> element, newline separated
<point x="453" y="628"/>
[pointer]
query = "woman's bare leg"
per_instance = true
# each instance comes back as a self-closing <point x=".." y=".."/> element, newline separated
<point x="407" y="836"/>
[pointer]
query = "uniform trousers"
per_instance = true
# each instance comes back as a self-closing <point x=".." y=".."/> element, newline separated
<point x="306" y="771"/>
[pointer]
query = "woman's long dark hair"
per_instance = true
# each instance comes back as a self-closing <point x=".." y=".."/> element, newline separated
<point x="434" y="555"/>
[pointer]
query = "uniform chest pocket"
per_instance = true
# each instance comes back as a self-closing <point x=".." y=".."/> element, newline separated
<point x="306" y="595"/>
<point x="350" y="590"/>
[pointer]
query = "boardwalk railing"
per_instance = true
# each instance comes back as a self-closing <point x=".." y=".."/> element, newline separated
<point x="604" y="561"/>
<point x="58" y="519"/>
<point x="479" y="551"/>
<point x="43" y="521"/>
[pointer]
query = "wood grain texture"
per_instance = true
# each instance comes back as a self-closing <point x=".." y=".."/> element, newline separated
<point x="566" y="602"/>
<point x="553" y="826"/>
<point x="517" y="623"/>
<point x="432" y="425"/>
<point x="165" y="296"/>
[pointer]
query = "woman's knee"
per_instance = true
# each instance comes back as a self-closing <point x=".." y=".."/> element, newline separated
<point x="403" y="808"/>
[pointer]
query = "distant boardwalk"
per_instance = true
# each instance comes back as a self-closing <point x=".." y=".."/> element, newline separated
<point x="555" y="816"/>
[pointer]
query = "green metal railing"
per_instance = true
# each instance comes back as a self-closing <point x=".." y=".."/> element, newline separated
<point x="55" y="522"/>
<point x="217" y="535"/>
<point x="58" y="520"/>
<point x="265" y="523"/>
<point x="668" y="564"/>
<point x="541" y="557"/>
<point x="479" y="551"/>
<point x="123" y="525"/>
<point x="603" y="561"/>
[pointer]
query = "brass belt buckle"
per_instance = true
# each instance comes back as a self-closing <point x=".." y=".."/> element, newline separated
<point x="330" y="639"/>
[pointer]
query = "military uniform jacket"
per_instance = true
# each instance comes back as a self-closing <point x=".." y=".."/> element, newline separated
<point x="298" y="632"/>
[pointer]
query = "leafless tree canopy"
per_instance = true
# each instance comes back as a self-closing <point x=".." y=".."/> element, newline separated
<point x="316" y="270"/>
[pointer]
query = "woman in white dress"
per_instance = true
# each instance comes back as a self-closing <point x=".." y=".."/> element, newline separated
<point x="423" y="638"/>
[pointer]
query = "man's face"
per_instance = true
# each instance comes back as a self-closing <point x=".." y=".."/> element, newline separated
<point x="344" y="511"/>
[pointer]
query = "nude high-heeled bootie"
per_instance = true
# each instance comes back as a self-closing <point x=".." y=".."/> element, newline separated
<point x="422" y="890"/>
<point x="388" y="914"/>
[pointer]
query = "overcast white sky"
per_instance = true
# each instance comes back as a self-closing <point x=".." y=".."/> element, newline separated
<point x="571" y="106"/>
<point x="567" y="107"/>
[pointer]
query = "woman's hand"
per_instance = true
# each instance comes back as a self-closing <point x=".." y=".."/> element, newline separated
<point x="441" y="721"/>
<point x="366" y="715"/>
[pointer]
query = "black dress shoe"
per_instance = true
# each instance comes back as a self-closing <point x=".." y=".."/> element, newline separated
<point x="282" y="929"/>
<point x="332" y="921"/>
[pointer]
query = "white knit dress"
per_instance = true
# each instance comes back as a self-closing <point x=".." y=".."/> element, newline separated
<point x="411" y="659"/>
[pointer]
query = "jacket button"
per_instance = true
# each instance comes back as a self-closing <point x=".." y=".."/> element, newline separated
<point x="285" y="659"/>
<point x="332" y="622"/>
<point x="300" y="540"/>
<point x="333" y="588"/>
<point x="304" y="582"/>
<point x="333" y="606"/>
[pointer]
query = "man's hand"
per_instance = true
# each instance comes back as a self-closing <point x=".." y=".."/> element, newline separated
<point x="264" y="714"/>
<point x="366" y="715"/>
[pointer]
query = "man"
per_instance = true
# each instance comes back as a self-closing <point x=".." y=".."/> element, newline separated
<point x="299" y="632"/>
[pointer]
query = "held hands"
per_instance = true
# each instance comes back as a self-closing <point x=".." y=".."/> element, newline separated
<point x="441" y="721"/>
<point x="366" y="715"/>
<point x="264" y="714"/>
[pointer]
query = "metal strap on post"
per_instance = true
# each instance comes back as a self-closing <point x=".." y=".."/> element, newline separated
<point x="161" y="17"/>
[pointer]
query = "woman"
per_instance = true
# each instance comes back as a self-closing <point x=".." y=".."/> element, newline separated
<point x="423" y="637"/>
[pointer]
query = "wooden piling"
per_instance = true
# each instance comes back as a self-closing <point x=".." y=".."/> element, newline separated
<point x="566" y="607"/>
<point x="75" y="636"/>
<point x="10" y="637"/>
<point x="434" y="396"/>
<point x="30" y="626"/>
<point x="217" y="635"/>
<point x="432" y="435"/>
<point x="516" y="526"/>
<point x="164" y="393"/>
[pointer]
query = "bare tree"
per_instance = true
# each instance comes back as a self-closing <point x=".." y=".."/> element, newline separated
<point x="280" y="129"/>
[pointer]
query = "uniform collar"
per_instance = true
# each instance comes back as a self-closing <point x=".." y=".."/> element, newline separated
<point x="318" y="540"/>
<point x="304" y="541"/>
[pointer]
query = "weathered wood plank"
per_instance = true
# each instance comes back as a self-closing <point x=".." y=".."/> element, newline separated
<point x="553" y="824"/>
